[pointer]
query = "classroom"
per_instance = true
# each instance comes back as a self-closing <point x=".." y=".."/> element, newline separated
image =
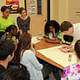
<point x="39" y="40"/>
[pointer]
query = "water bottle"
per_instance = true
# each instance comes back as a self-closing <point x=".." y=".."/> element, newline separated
<point x="69" y="56"/>
<point x="40" y="36"/>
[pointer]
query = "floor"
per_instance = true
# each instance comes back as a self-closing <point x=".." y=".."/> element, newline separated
<point x="52" y="77"/>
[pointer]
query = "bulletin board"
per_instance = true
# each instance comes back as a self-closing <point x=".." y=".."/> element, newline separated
<point x="13" y="5"/>
<point x="39" y="7"/>
<point x="34" y="7"/>
<point x="16" y="3"/>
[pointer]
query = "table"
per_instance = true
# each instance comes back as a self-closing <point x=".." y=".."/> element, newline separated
<point x="43" y="45"/>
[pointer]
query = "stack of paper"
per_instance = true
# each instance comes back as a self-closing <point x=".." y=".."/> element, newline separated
<point x="56" y="55"/>
<point x="35" y="40"/>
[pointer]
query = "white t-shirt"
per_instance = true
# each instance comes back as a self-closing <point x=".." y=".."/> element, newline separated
<point x="76" y="32"/>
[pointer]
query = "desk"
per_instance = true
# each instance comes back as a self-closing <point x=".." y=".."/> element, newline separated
<point x="43" y="45"/>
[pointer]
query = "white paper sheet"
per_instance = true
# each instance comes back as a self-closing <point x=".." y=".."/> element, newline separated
<point x="35" y="40"/>
<point x="56" y="55"/>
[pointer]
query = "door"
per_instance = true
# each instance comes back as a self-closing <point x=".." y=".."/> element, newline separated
<point x="74" y="11"/>
<point x="37" y="20"/>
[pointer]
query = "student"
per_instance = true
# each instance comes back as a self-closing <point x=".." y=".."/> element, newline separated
<point x="26" y="56"/>
<point x="67" y="28"/>
<point x="51" y="31"/>
<point x="5" y="20"/>
<point x="6" y="53"/>
<point x="11" y="33"/>
<point x="23" y="21"/>
<point x="73" y="72"/>
<point x="20" y="73"/>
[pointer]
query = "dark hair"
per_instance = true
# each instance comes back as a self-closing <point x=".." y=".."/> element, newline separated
<point x="66" y="25"/>
<point x="53" y="23"/>
<point x="9" y="28"/>
<point x="6" y="48"/>
<point x="3" y="8"/>
<point x="77" y="48"/>
<point x="24" y="44"/>
<point x="21" y="9"/>
<point x="16" y="74"/>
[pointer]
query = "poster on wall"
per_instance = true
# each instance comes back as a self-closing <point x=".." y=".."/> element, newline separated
<point x="13" y="5"/>
<point x="39" y="7"/>
<point x="33" y="6"/>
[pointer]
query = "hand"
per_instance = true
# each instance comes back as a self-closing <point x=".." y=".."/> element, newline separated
<point x="67" y="48"/>
<point x="28" y="31"/>
<point x="16" y="43"/>
<point x="32" y="46"/>
<point x="20" y="32"/>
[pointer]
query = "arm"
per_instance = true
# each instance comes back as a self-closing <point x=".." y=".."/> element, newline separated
<point x="52" y="41"/>
<point x="19" y="25"/>
<point x="35" y="62"/>
<point x="3" y="37"/>
<point x="13" y="22"/>
<point x="66" y="73"/>
<point x="28" y="23"/>
<point x="20" y="32"/>
<point x="67" y="48"/>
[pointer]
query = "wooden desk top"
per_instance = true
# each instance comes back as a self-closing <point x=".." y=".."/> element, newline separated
<point x="43" y="45"/>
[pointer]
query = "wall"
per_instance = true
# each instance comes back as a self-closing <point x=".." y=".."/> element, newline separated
<point x="59" y="10"/>
<point x="74" y="11"/>
<point x="54" y="9"/>
<point x="63" y="10"/>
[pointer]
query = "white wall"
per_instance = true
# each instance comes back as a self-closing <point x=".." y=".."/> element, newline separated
<point x="59" y="10"/>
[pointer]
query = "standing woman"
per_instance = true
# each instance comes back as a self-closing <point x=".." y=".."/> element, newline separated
<point x="5" y="20"/>
<point x="23" y="21"/>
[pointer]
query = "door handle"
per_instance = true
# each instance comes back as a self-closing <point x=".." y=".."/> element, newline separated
<point x="77" y="12"/>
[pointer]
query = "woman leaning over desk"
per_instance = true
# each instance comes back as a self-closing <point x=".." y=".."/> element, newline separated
<point x="5" y="20"/>
<point x="73" y="72"/>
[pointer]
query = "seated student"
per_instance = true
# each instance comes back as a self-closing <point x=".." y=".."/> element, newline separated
<point x="20" y="73"/>
<point x="51" y="31"/>
<point x="73" y="72"/>
<point x="5" y="20"/>
<point x="6" y="53"/>
<point x="23" y="21"/>
<point x="11" y="33"/>
<point x="26" y="56"/>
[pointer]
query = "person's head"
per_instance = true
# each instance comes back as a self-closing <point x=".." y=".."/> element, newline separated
<point x="25" y="41"/>
<point x="5" y="11"/>
<point x="22" y="11"/>
<point x="12" y="29"/>
<point x="7" y="48"/>
<point x="16" y="74"/>
<point x="77" y="49"/>
<point x="67" y="26"/>
<point x="52" y="26"/>
<point x="24" y="44"/>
